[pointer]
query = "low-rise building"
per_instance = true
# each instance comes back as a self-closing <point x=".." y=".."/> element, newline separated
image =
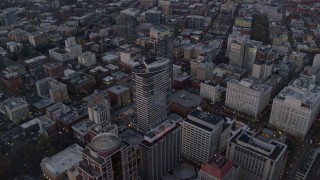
<point x="38" y="38"/>
<point x="119" y="95"/>
<point x="183" y="102"/>
<point x="81" y="130"/>
<point x="47" y="126"/>
<point x="63" y="164"/>
<point x="16" y="109"/>
<point x="53" y="89"/>
<point x="59" y="54"/>
<point x="78" y="82"/>
<point x="87" y="58"/>
<point x="54" y="69"/>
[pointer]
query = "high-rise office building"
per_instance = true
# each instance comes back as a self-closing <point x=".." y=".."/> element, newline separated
<point x="236" y="54"/>
<point x="194" y="22"/>
<point x="160" y="37"/>
<point x="127" y="23"/>
<point x="296" y="107"/>
<point x="249" y="96"/>
<point x="257" y="159"/>
<point x="201" y="133"/>
<point x="151" y="91"/>
<point x="250" y="54"/>
<point x="160" y="149"/>
<point x="108" y="158"/>
<point x="153" y="16"/>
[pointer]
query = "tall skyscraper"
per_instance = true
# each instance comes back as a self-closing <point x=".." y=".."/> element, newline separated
<point x="108" y="158"/>
<point x="160" y="149"/>
<point x="127" y="23"/>
<point x="151" y="90"/>
<point x="257" y="159"/>
<point x="160" y="37"/>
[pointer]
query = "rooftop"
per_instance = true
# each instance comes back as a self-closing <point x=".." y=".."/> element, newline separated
<point x="30" y="123"/>
<point x="118" y="89"/>
<point x="44" y="120"/>
<point x="253" y="84"/>
<point x="204" y="116"/>
<point x="168" y="124"/>
<point x="105" y="142"/>
<point x="270" y="150"/>
<point x="64" y="160"/>
<point x="131" y="137"/>
<point x="186" y="99"/>
<point x="83" y="126"/>
<point x="14" y="103"/>
<point x="39" y="58"/>
<point x="303" y="91"/>
<point x="218" y="167"/>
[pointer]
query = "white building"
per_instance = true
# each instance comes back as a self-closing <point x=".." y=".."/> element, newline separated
<point x="87" y="58"/>
<point x="99" y="112"/>
<point x="296" y="107"/>
<point x="257" y="159"/>
<point x="201" y="133"/>
<point x="211" y="91"/>
<point x="73" y="48"/>
<point x="16" y="109"/>
<point x="316" y="61"/>
<point x="160" y="149"/>
<point x="248" y="96"/>
<point x="63" y="164"/>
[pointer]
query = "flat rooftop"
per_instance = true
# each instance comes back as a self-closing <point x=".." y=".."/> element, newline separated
<point x="118" y="89"/>
<point x="270" y="150"/>
<point x="186" y="99"/>
<point x="131" y="137"/>
<point x="253" y="84"/>
<point x="14" y="103"/>
<point x="64" y="160"/>
<point x="84" y="126"/>
<point x="205" y="116"/>
<point x="303" y="90"/>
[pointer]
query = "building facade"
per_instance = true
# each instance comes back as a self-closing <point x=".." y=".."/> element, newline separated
<point x="16" y="109"/>
<point x="160" y="150"/>
<point x="296" y="107"/>
<point x="248" y="96"/>
<point x="201" y="134"/>
<point x="108" y="158"/>
<point x="257" y="159"/>
<point x="151" y="90"/>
